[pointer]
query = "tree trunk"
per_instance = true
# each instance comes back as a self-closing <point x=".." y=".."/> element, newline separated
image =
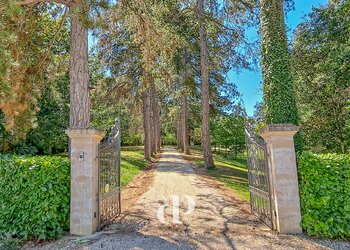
<point x="179" y="134"/>
<point x="207" y="154"/>
<point x="177" y="137"/>
<point x="146" y="125"/>
<point x="79" y="74"/>
<point x="185" y="141"/>
<point x="154" y="112"/>
<point x="181" y="145"/>
<point x="151" y="121"/>
<point x="158" y="127"/>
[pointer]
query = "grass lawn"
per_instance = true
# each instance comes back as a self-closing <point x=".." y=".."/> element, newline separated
<point x="132" y="163"/>
<point x="230" y="170"/>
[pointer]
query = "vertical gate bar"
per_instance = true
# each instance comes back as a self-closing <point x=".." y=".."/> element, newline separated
<point x="119" y="165"/>
<point x="267" y="165"/>
<point x="248" y="153"/>
<point x="99" y="188"/>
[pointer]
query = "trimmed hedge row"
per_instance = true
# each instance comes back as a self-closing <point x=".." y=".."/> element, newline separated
<point x="325" y="194"/>
<point x="35" y="194"/>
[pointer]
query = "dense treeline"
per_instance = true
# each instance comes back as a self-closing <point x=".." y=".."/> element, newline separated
<point x="321" y="60"/>
<point x="161" y="67"/>
<point x="151" y="63"/>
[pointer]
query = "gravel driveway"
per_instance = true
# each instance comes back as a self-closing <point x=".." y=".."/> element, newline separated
<point x="216" y="222"/>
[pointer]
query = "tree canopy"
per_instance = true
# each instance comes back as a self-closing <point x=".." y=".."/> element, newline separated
<point x="162" y="67"/>
<point x="321" y="54"/>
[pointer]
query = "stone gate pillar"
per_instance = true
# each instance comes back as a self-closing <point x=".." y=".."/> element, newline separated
<point x="283" y="176"/>
<point x="84" y="180"/>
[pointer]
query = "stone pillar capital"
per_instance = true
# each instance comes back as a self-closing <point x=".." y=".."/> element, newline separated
<point x="84" y="133"/>
<point x="278" y="130"/>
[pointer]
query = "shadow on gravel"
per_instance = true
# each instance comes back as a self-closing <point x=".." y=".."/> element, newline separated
<point x="136" y="241"/>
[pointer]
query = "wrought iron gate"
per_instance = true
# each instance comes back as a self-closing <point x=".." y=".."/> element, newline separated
<point x="109" y="176"/>
<point x="261" y="199"/>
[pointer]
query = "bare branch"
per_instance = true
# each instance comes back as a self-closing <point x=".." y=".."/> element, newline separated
<point x="121" y="89"/>
<point x="69" y="3"/>
<point x="63" y="20"/>
<point x="182" y="13"/>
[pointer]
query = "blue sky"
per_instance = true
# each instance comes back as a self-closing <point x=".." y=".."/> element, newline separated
<point x="248" y="82"/>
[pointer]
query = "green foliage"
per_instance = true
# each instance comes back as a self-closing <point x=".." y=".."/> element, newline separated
<point x="132" y="139"/>
<point x="169" y="139"/>
<point x="228" y="132"/>
<point x="4" y="134"/>
<point x="324" y="192"/>
<point x="9" y="243"/>
<point x="34" y="195"/>
<point x="161" y="39"/>
<point x="196" y="136"/>
<point x="29" y="59"/>
<point x="321" y="54"/>
<point x="47" y="136"/>
<point x="279" y="94"/>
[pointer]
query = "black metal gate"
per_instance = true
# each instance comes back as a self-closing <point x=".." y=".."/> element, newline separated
<point x="261" y="199"/>
<point x="109" y="176"/>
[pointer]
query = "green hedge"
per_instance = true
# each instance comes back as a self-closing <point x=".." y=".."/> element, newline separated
<point x="325" y="194"/>
<point x="132" y="140"/>
<point x="34" y="195"/>
<point x="169" y="140"/>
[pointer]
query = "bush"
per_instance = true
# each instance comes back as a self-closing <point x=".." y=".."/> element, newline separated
<point x="325" y="194"/>
<point x="132" y="140"/>
<point x="35" y="194"/>
<point x="169" y="140"/>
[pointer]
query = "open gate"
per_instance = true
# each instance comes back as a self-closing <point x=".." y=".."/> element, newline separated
<point x="261" y="199"/>
<point x="109" y="176"/>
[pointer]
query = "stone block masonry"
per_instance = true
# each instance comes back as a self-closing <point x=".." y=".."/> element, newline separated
<point x="84" y="180"/>
<point x="283" y="176"/>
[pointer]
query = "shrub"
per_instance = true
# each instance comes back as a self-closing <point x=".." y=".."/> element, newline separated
<point x="169" y="140"/>
<point x="34" y="195"/>
<point x="132" y="140"/>
<point x="325" y="194"/>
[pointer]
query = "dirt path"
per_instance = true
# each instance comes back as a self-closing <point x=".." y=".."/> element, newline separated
<point x="217" y="221"/>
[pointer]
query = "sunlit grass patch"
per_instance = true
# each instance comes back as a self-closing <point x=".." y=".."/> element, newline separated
<point x="230" y="170"/>
<point x="132" y="163"/>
